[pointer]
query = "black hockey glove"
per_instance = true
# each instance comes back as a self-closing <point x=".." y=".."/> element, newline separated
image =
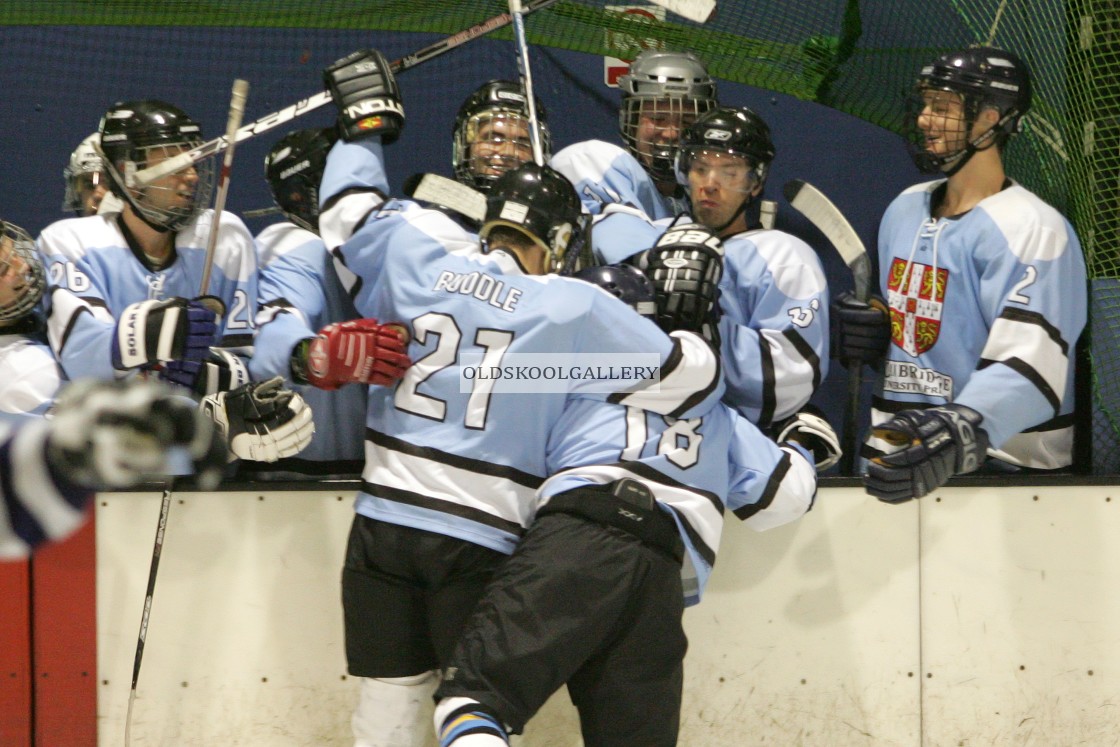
<point x="161" y="331"/>
<point x="262" y="421"/>
<point x="933" y="445"/>
<point x="366" y="94"/>
<point x="111" y="435"/>
<point x="685" y="267"/>
<point x="219" y="372"/>
<point x="810" y="429"/>
<point x="861" y="329"/>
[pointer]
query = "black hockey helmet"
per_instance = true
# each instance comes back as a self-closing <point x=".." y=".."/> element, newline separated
<point x="131" y="133"/>
<point x="738" y="131"/>
<point x="540" y="203"/>
<point x="19" y="257"/>
<point x="294" y="168"/>
<point x="986" y="78"/>
<point x="626" y="283"/>
<point x="494" y="99"/>
<point x="677" y="80"/>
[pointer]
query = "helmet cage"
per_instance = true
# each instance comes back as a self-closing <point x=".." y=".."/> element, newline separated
<point x="17" y="245"/>
<point x="495" y="100"/>
<point x="84" y="172"/>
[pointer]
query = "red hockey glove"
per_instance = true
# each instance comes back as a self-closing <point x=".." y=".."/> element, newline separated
<point x="360" y="351"/>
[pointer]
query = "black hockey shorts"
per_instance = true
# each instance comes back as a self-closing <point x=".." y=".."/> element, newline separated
<point x="406" y="594"/>
<point x="590" y="605"/>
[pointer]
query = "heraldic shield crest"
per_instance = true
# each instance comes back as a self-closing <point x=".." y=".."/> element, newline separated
<point x="916" y="300"/>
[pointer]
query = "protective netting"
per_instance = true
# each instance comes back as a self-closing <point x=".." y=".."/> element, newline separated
<point x="858" y="57"/>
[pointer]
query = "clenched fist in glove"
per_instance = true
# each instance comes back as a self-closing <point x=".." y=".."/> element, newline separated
<point x="161" y="331"/>
<point x="862" y="329"/>
<point x="111" y="435"/>
<point x="366" y="94"/>
<point x="685" y="267"/>
<point x="262" y="421"/>
<point x="931" y="446"/>
<point x="361" y="351"/>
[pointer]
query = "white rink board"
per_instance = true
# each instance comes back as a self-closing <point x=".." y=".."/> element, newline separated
<point x="976" y="618"/>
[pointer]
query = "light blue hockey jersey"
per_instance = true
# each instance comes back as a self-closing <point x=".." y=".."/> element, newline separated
<point x="986" y="309"/>
<point x="300" y="293"/>
<point x="453" y="452"/>
<point x="605" y="174"/>
<point x="774" y="299"/>
<point x="694" y="468"/>
<point x="93" y="275"/>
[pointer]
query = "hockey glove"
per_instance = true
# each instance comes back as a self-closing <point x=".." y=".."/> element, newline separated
<point x="262" y="421"/>
<point x="161" y="331"/>
<point x="360" y="351"/>
<point x="810" y="429"/>
<point x="111" y="435"/>
<point x="933" y="445"/>
<point x="685" y="267"/>
<point x="862" y="330"/>
<point x="219" y="372"/>
<point x="366" y="94"/>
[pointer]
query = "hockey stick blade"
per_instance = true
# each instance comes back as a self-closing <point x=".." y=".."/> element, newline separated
<point x="700" y="11"/>
<point x="311" y="103"/>
<point x="822" y="213"/>
<point x="439" y="190"/>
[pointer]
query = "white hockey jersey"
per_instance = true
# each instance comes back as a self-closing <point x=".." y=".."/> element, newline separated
<point x="30" y="376"/>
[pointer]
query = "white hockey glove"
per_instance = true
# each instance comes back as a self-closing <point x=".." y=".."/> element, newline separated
<point x="111" y="435"/>
<point x="808" y="428"/>
<point x="261" y="420"/>
<point x="932" y="446"/>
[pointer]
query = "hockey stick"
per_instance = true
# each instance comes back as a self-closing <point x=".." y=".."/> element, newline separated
<point x="236" y="112"/>
<point x="323" y="98"/>
<point x="164" y="510"/>
<point x="700" y="11"/>
<point x="518" y="14"/>
<point x="822" y="213"/>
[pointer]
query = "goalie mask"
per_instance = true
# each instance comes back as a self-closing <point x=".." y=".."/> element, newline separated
<point x="662" y="94"/>
<point x="626" y="283"/>
<point x="491" y="134"/>
<point x="728" y="134"/>
<point x="294" y="169"/>
<point x="136" y="135"/>
<point x="21" y="273"/>
<point x="538" y="202"/>
<point x="951" y="94"/>
<point x="85" y="179"/>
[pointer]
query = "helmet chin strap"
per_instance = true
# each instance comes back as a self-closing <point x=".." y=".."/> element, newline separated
<point x="983" y="141"/>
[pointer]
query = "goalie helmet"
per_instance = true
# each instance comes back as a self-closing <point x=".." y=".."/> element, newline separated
<point x="21" y="273"/>
<point x="138" y="134"/>
<point x="84" y="173"/>
<point x="626" y="283"/>
<point x="985" y="78"/>
<point x="294" y="168"/>
<point x="538" y="202"/>
<point x="675" y="85"/>
<point x="486" y="137"/>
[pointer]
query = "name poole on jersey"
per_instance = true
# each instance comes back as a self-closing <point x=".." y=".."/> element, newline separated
<point x="480" y="285"/>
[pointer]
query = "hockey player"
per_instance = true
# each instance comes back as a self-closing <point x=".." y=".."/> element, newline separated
<point x="85" y="178"/>
<point x="582" y="603"/>
<point x="300" y="293"/>
<point x="452" y="458"/>
<point x="491" y="134"/>
<point x="29" y="374"/>
<point x="122" y="285"/>
<point x="772" y="314"/>
<point x="986" y="286"/>
<point x="662" y="94"/>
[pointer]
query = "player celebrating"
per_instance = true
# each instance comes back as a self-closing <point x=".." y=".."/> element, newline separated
<point x="453" y="459"/>
<point x="620" y="647"/>
<point x="121" y="284"/>
<point x="300" y="294"/>
<point x="662" y="94"/>
<point x="771" y="307"/>
<point x="491" y="134"/>
<point x="986" y="287"/>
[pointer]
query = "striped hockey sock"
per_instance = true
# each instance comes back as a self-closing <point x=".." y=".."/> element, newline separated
<point x="462" y="722"/>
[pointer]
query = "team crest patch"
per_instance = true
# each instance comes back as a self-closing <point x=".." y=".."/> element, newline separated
<point x="916" y="302"/>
